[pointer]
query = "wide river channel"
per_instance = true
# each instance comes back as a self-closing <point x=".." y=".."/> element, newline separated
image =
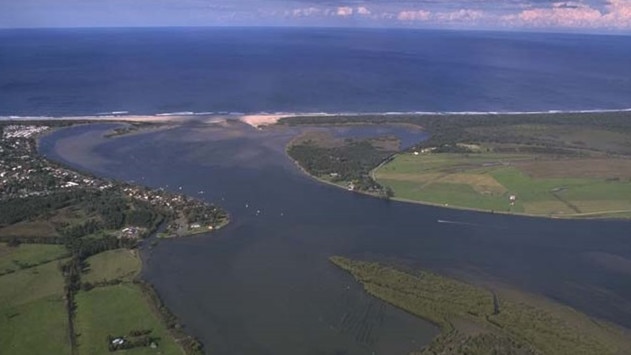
<point x="263" y="285"/>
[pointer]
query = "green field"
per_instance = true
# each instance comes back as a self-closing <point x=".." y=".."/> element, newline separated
<point x="119" y="264"/>
<point x="542" y="185"/>
<point x="117" y="310"/>
<point x="33" y="318"/>
<point x="474" y="320"/>
<point x="27" y="255"/>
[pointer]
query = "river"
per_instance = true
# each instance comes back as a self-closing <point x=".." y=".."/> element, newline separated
<point x="263" y="285"/>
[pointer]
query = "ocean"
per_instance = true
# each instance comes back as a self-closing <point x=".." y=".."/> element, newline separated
<point x="251" y="70"/>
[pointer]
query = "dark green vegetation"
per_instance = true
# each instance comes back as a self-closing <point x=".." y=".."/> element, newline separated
<point x="478" y="321"/>
<point x="574" y="165"/>
<point x="344" y="162"/>
<point x="67" y="254"/>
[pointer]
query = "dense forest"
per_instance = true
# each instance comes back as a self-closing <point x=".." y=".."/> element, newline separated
<point x="347" y="163"/>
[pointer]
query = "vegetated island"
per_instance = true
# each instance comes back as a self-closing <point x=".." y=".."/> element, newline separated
<point x="476" y="321"/>
<point x="544" y="164"/>
<point x="68" y="261"/>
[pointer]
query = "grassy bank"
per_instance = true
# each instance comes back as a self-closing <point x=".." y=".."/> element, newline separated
<point x="113" y="265"/>
<point x="478" y="321"/>
<point x="517" y="183"/>
<point x="110" y="304"/>
<point x="118" y="311"/>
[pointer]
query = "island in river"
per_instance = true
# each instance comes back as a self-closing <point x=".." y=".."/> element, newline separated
<point x="279" y="293"/>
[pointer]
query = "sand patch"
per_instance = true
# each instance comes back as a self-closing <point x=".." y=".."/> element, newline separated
<point x="261" y="120"/>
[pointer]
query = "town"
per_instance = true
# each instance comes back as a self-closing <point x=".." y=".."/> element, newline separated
<point x="24" y="173"/>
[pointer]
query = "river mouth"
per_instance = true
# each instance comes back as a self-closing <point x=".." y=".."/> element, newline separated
<point x="264" y="283"/>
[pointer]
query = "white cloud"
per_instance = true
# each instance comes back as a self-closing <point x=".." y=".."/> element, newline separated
<point x="616" y="14"/>
<point x="344" y="11"/>
<point x="462" y="15"/>
<point x="414" y="15"/>
<point x="363" y="11"/>
<point x="309" y="11"/>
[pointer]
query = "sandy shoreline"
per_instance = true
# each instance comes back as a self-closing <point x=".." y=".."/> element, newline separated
<point x="258" y="120"/>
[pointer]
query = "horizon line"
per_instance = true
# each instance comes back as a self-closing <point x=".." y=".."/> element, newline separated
<point x="332" y="27"/>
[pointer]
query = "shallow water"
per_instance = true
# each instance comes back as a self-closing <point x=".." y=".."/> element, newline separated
<point x="264" y="285"/>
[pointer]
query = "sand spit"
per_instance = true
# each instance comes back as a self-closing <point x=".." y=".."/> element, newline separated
<point x="256" y="121"/>
<point x="262" y="120"/>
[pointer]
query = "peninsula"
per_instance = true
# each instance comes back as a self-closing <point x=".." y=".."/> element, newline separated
<point x="574" y="165"/>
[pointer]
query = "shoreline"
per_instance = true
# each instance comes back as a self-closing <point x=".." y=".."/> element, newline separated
<point x="461" y="208"/>
<point x="261" y="119"/>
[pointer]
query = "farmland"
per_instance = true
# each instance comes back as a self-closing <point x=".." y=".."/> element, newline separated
<point x="26" y="255"/>
<point x="540" y="185"/>
<point x="111" y="265"/>
<point x="117" y="311"/>
<point x="33" y="318"/>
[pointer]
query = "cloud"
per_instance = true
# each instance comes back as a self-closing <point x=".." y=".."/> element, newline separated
<point x="361" y="10"/>
<point x="414" y="15"/>
<point x="461" y="15"/>
<point x="615" y="14"/>
<point x="344" y="11"/>
<point x="309" y="11"/>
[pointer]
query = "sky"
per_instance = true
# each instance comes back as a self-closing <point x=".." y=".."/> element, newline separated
<point x="577" y="15"/>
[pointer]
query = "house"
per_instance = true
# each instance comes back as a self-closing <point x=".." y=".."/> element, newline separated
<point x="195" y="226"/>
<point x="512" y="199"/>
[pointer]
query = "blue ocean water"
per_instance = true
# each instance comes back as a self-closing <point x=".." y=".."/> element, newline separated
<point x="147" y="71"/>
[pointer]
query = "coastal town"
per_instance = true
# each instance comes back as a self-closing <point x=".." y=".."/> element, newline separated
<point x="24" y="173"/>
